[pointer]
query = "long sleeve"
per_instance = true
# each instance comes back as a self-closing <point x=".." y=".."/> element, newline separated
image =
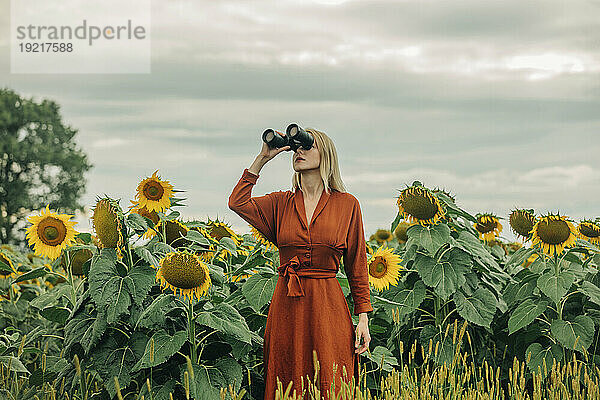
<point x="355" y="262"/>
<point x="261" y="211"/>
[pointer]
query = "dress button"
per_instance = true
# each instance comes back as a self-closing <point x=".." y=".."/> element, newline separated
<point x="308" y="255"/>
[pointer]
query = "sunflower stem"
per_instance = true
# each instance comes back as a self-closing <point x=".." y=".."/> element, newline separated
<point x="191" y="328"/>
<point x="70" y="276"/>
<point x="436" y="307"/>
<point x="129" y="252"/>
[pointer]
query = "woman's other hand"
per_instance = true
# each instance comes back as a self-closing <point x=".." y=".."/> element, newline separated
<point x="362" y="332"/>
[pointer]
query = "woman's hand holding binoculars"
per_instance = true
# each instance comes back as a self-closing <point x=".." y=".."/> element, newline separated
<point x="267" y="153"/>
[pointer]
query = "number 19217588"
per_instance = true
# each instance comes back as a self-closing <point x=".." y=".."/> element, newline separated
<point x="46" y="47"/>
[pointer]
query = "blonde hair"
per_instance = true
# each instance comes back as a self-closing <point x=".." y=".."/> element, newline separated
<point x="329" y="166"/>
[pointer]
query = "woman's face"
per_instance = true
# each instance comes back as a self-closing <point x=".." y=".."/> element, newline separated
<point x="307" y="159"/>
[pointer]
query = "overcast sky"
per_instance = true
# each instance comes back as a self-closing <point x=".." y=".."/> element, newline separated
<point x="496" y="101"/>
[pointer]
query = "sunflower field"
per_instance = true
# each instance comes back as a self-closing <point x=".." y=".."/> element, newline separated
<point x="150" y="306"/>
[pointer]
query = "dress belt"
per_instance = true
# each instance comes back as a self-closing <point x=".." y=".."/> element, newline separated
<point x="292" y="272"/>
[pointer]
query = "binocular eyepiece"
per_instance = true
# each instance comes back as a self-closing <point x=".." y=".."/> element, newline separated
<point x="295" y="137"/>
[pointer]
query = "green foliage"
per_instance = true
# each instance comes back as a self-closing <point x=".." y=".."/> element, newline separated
<point x="33" y="138"/>
<point x="116" y="292"/>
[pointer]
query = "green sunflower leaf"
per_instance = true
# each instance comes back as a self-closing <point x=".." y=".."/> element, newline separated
<point x="519" y="291"/>
<point x="566" y="332"/>
<point x="56" y="314"/>
<point x="519" y="257"/>
<point x="115" y="292"/>
<point x="224" y="318"/>
<point x="479" y="308"/>
<point x="15" y="364"/>
<point x="206" y="382"/>
<point x="35" y="273"/>
<point x="197" y="237"/>
<point x="116" y="356"/>
<point x="155" y="314"/>
<point x="164" y="345"/>
<point x="474" y="246"/>
<point x="85" y="327"/>
<point x="555" y="286"/>
<point x="429" y="237"/>
<point x="446" y="274"/>
<point x="590" y="290"/>
<point x="525" y="313"/>
<point x="539" y="354"/>
<point x="406" y="300"/>
<point x="137" y="222"/>
<point x="396" y="222"/>
<point x="259" y="288"/>
<point x="145" y="253"/>
<point x="380" y="353"/>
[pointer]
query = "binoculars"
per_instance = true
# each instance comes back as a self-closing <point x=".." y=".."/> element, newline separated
<point x="294" y="137"/>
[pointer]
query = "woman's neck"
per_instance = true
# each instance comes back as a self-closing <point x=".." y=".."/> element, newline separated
<point x="312" y="185"/>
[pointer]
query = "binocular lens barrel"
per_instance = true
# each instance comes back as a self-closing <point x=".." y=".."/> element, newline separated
<point x="274" y="139"/>
<point x="299" y="137"/>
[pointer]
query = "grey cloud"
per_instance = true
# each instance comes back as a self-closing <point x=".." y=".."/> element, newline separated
<point x="407" y="90"/>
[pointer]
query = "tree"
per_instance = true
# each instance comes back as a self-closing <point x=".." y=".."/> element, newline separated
<point x="40" y="163"/>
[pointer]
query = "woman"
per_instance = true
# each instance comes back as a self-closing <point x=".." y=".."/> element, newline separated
<point x="313" y="227"/>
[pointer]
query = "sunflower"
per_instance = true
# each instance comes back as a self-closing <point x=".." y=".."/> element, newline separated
<point x="590" y="231"/>
<point x="417" y="204"/>
<point x="4" y="258"/>
<point x="237" y="278"/>
<point x="260" y="238"/>
<point x="514" y="246"/>
<point x="50" y="233"/>
<point x="219" y="230"/>
<point x="152" y="215"/>
<point x="400" y="231"/>
<point x="529" y="260"/>
<point x="205" y="255"/>
<point x="154" y="194"/>
<point x="369" y="248"/>
<point x="383" y="236"/>
<point x="384" y="268"/>
<point x="488" y="226"/>
<point x="184" y="272"/>
<point x="78" y="258"/>
<point x="521" y="222"/>
<point x="175" y="231"/>
<point x="553" y="233"/>
<point x="108" y="224"/>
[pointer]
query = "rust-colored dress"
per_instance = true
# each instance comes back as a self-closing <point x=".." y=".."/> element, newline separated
<point x="308" y="309"/>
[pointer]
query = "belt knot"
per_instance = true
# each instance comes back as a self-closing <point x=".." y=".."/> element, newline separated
<point x="289" y="270"/>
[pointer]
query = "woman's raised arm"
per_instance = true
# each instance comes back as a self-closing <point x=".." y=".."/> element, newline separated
<point x="261" y="211"/>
